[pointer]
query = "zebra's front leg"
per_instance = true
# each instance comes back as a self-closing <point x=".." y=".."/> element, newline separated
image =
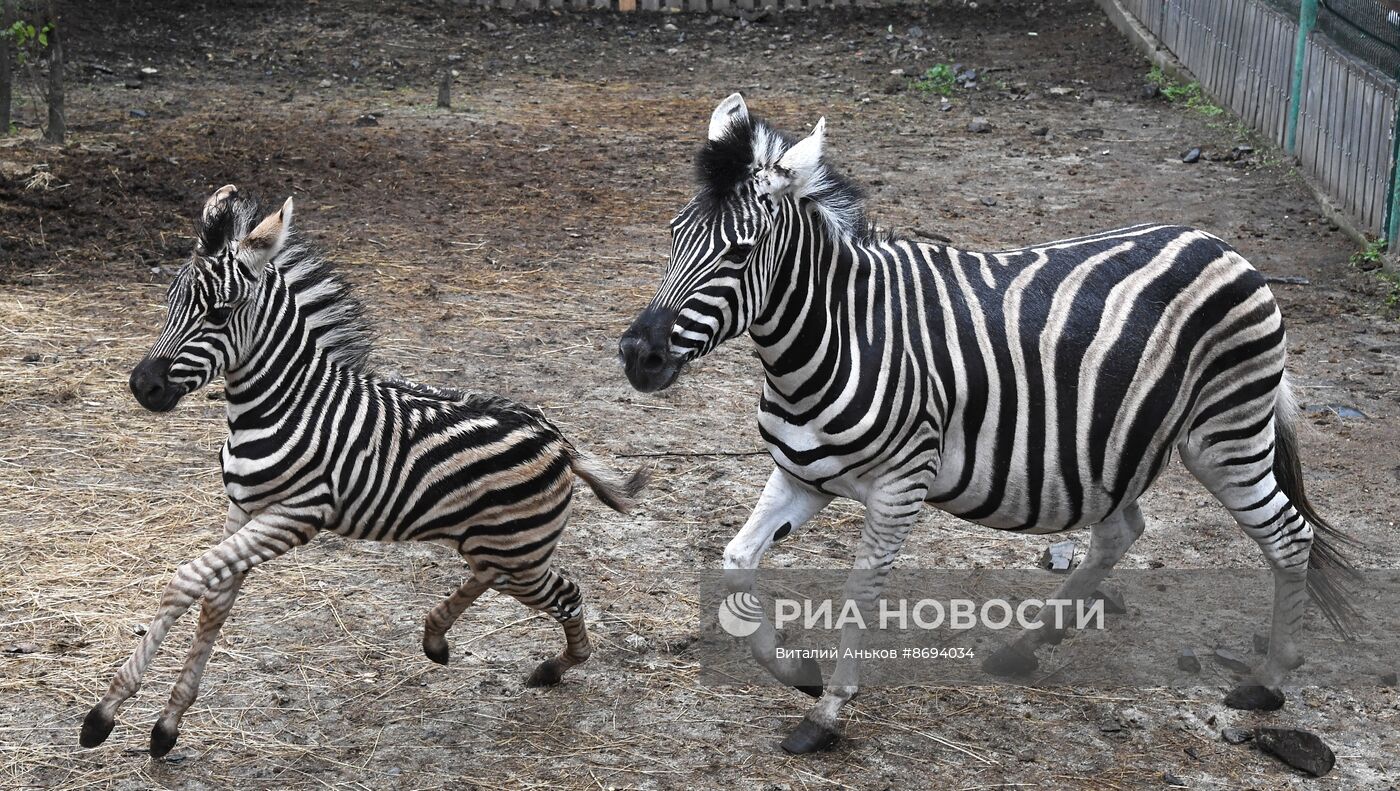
<point x="887" y="525"/>
<point x="217" y="605"/>
<point x="785" y="505"/>
<point x="260" y="540"/>
<point x="1108" y="541"/>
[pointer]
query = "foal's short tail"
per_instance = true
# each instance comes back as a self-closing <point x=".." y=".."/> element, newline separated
<point x="616" y="492"/>
<point x="1330" y="573"/>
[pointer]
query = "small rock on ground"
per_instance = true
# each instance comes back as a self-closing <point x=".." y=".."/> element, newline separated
<point x="1236" y="735"/>
<point x="1188" y="661"/>
<point x="1299" y="749"/>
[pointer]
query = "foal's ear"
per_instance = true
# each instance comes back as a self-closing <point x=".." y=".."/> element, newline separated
<point x="215" y="224"/>
<point x="264" y="242"/>
<point x="730" y="111"/>
<point x="798" y="168"/>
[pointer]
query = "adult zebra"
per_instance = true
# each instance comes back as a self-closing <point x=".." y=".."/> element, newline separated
<point x="318" y="441"/>
<point x="1036" y="390"/>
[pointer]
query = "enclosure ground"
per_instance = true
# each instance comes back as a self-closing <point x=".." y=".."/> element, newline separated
<point x="503" y="246"/>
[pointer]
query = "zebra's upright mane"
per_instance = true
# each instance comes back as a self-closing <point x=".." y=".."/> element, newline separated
<point x="750" y="144"/>
<point x="332" y="312"/>
<point x="328" y="303"/>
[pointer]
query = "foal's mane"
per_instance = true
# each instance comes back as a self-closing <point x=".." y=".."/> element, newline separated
<point x="326" y="299"/>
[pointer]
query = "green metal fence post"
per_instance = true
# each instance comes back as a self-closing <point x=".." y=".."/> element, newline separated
<point x="1307" y="20"/>
<point x="1392" y="215"/>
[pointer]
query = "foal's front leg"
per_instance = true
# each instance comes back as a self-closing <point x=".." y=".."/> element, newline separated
<point x="218" y="603"/>
<point x="261" y="539"/>
<point x="785" y="505"/>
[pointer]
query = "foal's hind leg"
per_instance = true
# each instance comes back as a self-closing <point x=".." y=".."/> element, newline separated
<point x="441" y="617"/>
<point x="1240" y="473"/>
<point x="1108" y="541"/>
<point x="553" y="593"/>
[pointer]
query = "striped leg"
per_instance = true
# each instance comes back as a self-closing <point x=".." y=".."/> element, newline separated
<point x="557" y="595"/>
<point x="887" y="525"/>
<point x="217" y="605"/>
<point x="1108" y="542"/>
<point x="1240" y="473"/>
<point x="784" y="506"/>
<point x="261" y="539"/>
<point x="441" y="618"/>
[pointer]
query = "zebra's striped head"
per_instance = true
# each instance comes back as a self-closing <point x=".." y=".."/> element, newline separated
<point x="717" y="278"/>
<point x="209" y="297"/>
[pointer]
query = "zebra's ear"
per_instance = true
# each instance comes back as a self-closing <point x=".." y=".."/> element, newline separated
<point x="730" y="111"/>
<point x="215" y="224"/>
<point x="264" y="242"/>
<point x="799" y="167"/>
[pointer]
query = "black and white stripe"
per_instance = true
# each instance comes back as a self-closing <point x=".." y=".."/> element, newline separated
<point x="319" y="441"/>
<point x="1036" y="389"/>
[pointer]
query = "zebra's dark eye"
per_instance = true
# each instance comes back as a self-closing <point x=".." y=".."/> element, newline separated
<point x="218" y="315"/>
<point x="738" y="253"/>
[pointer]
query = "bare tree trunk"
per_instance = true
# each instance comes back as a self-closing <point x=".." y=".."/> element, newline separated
<point x="57" y="125"/>
<point x="6" y="77"/>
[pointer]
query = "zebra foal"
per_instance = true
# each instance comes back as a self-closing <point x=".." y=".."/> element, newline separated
<point x="318" y="441"/>
<point x="1038" y="389"/>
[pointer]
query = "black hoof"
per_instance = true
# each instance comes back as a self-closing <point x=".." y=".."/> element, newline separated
<point x="162" y="739"/>
<point x="1254" y="697"/>
<point x="96" y="728"/>
<point x="547" y="674"/>
<point x="809" y="678"/>
<point x="810" y="738"/>
<point x="1010" y="661"/>
<point x="436" y="651"/>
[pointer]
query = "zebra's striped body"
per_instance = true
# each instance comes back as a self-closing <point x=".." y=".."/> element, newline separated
<point x="318" y="441"/>
<point x="1037" y="389"/>
<point x="985" y="376"/>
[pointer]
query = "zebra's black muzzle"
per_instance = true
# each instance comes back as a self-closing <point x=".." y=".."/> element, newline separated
<point x="645" y="349"/>
<point x="150" y="383"/>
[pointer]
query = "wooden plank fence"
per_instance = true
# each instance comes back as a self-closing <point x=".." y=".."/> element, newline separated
<point x="1243" y="52"/>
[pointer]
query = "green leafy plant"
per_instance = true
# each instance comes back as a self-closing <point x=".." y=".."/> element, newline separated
<point x="1369" y="257"/>
<point x="1392" y="282"/>
<point x="27" y="38"/>
<point x="1189" y="94"/>
<point x="939" y="79"/>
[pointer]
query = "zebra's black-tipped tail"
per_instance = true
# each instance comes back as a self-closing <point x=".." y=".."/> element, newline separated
<point x="1330" y="573"/>
<point x="616" y="492"/>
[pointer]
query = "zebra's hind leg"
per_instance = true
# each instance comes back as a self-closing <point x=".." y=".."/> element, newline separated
<point x="553" y="593"/>
<point x="1240" y="473"/>
<point x="1108" y="541"/>
<point x="260" y="540"/>
<point x="441" y="617"/>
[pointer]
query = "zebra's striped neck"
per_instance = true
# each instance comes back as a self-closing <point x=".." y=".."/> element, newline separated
<point x="810" y="276"/>
<point x="304" y="327"/>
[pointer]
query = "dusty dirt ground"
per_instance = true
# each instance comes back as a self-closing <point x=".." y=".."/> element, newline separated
<point x="503" y="246"/>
